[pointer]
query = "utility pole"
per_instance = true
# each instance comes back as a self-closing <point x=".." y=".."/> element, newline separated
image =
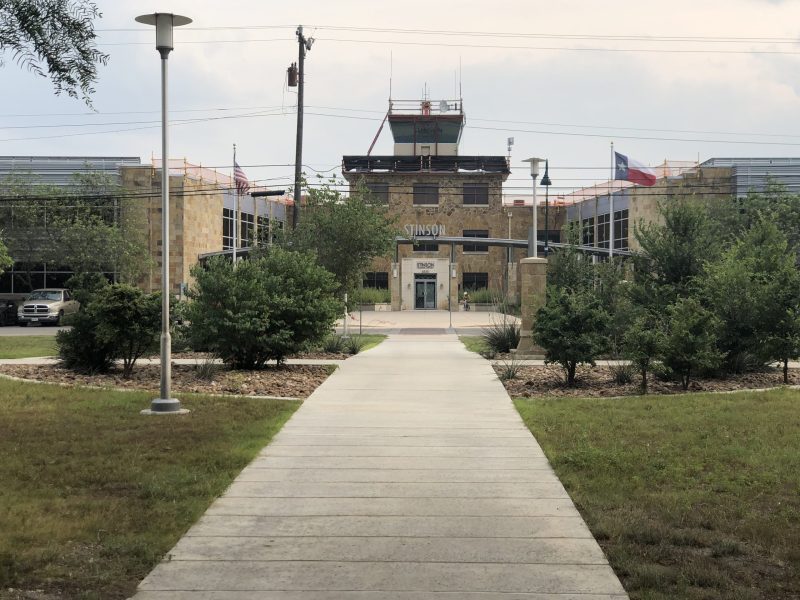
<point x="297" y="78"/>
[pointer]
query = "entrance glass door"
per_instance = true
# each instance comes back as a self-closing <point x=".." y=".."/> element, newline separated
<point x="425" y="291"/>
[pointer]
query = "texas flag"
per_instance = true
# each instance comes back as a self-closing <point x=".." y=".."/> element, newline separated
<point x="632" y="170"/>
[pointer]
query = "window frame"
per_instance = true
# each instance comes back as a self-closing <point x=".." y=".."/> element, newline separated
<point x="475" y="248"/>
<point x="473" y="189"/>
<point x="419" y="194"/>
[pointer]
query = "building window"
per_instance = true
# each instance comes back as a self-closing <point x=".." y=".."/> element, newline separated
<point x="621" y="229"/>
<point x="379" y="192"/>
<point x="476" y="193"/>
<point x="603" y="232"/>
<point x="476" y="233"/>
<point x="247" y="229"/>
<point x="378" y="280"/>
<point x="474" y="281"/>
<point x="425" y="193"/>
<point x="587" y="232"/>
<point x="426" y="247"/>
<point x="227" y="228"/>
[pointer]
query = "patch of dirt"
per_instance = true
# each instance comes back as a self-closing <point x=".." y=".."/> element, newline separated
<point x="599" y="382"/>
<point x="289" y="381"/>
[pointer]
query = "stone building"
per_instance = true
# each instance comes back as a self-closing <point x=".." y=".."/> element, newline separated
<point x="202" y="214"/>
<point x="442" y="201"/>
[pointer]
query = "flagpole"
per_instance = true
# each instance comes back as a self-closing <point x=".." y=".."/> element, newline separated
<point x="235" y="210"/>
<point x="611" y="206"/>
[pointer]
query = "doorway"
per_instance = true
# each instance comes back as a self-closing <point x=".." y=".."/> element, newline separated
<point x="425" y="291"/>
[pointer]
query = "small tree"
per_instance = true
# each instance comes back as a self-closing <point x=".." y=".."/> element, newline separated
<point x="264" y="309"/>
<point x="642" y="342"/>
<point x="673" y="252"/>
<point x="750" y="288"/>
<point x="344" y="232"/>
<point x="691" y="341"/>
<point x="784" y="343"/>
<point x="571" y="328"/>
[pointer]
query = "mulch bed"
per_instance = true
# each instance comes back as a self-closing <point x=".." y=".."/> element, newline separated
<point x="304" y="355"/>
<point x="599" y="382"/>
<point x="286" y="381"/>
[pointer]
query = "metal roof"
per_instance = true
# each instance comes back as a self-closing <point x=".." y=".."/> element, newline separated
<point x="753" y="174"/>
<point x="59" y="170"/>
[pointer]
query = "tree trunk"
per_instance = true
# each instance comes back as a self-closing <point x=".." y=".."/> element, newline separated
<point x="685" y="379"/>
<point x="786" y="371"/>
<point x="571" y="374"/>
<point x="644" y="380"/>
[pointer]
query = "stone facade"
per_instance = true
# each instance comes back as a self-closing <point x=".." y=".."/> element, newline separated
<point x="702" y="184"/>
<point x="451" y="217"/>
<point x="195" y="222"/>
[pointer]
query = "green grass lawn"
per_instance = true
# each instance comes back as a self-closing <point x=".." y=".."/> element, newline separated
<point x="24" y="346"/>
<point x="693" y="496"/>
<point x="371" y="340"/>
<point x="474" y="343"/>
<point x="93" y="494"/>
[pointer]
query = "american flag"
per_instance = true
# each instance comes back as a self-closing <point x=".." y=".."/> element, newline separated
<point x="242" y="185"/>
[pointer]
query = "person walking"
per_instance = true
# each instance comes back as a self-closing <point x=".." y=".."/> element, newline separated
<point x="466" y="301"/>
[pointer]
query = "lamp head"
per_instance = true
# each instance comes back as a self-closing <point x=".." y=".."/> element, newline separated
<point x="164" y="24"/>
<point x="546" y="177"/>
<point x="534" y="166"/>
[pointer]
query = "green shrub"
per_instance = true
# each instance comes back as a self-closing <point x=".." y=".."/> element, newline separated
<point x="263" y="309"/>
<point x="129" y="320"/>
<point x="483" y="296"/>
<point x="502" y="336"/>
<point x="354" y="345"/>
<point x="621" y="373"/>
<point x="333" y="344"/>
<point x="372" y="296"/>
<point x="118" y="322"/>
<point x="80" y="349"/>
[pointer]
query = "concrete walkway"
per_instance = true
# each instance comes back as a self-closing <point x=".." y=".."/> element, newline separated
<point x="407" y="475"/>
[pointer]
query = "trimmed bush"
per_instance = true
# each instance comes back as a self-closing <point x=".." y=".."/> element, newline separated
<point x="118" y="322"/>
<point x="80" y="349"/>
<point x="263" y="309"/>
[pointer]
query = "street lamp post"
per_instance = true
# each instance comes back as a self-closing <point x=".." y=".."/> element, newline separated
<point x="546" y="183"/>
<point x="164" y="24"/>
<point x="534" y="162"/>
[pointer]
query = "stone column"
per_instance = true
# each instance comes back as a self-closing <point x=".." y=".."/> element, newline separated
<point x="394" y="286"/>
<point x="533" y="287"/>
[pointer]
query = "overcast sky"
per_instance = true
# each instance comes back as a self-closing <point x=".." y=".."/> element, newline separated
<point x="679" y="80"/>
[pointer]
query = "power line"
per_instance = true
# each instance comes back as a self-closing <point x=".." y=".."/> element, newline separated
<point x="498" y="34"/>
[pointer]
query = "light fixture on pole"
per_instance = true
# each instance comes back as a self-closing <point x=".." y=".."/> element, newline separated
<point x="534" y="162"/>
<point x="546" y="183"/>
<point x="164" y="24"/>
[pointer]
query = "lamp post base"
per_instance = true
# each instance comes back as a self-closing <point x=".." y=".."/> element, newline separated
<point x="168" y="406"/>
